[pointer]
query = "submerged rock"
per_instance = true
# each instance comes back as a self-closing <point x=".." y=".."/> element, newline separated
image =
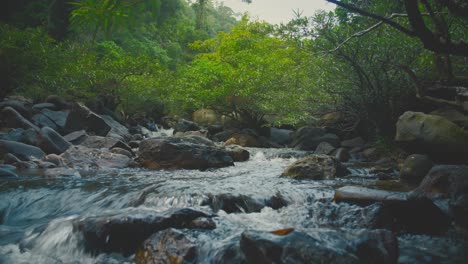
<point x="231" y="203"/>
<point x="314" y="246"/>
<point x="315" y="167"/>
<point x="182" y="153"/>
<point x="125" y="231"/>
<point x="167" y="246"/>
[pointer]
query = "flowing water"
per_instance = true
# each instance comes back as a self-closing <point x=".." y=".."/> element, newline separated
<point x="36" y="213"/>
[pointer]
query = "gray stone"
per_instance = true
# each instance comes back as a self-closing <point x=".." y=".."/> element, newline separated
<point x="415" y="168"/>
<point x="12" y="119"/>
<point x="52" y="142"/>
<point x="81" y="118"/>
<point x="324" y="148"/>
<point x="20" y="150"/>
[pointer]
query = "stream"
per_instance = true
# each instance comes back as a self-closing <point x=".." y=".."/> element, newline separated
<point x="36" y="213"/>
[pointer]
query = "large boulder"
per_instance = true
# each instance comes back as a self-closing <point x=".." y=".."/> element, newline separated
<point x="185" y="125"/>
<point x="182" y="153"/>
<point x="315" y="246"/>
<point x="452" y="115"/>
<point x="20" y="150"/>
<point x="81" y="118"/>
<point x="125" y="231"/>
<point x="415" y="168"/>
<point x="52" y="142"/>
<point x="117" y="129"/>
<point x="167" y="246"/>
<point x="104" y="142"/>
<point x="12" y="119"/>
<point x="280" y="136"/>
<point x="83" y="158"/>
<point x="308" y="138"/>
<point x="315" y="167"/>
<point x="442" y="139"/>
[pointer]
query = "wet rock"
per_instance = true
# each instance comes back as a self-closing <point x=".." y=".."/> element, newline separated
<point x="105" y="142"/>
<point x="122" y="151"/>
<point x="55" y="159"/>
<point x="415" y="215"/>
<point x="280" y="136"/>
<point x="185" y="125"/>
<point x="182" y="153"/>
<point x="59" y="118"/>
<point x="26" y="165"/>
<point x="12" y="119"/>
<point x="415" y="168"/>
<point x="28" y="136"/>
<point x="353" y="143"/>
<point x="41" y="120"/>
<point x="308" y="138"/>
<point x="243" y="140"/>
<point x="58" y="101"/>
<point x="4" y="173"/>
<point x="231" y="203"/>
<point x="202" y="223"/>
<point x="366" y="196"/>
<point x="237" y="153"/>
<point x="20" y="150"/>
<point x="223" y="136"/>
<point x="167" y="246"/>
<point x="190" y="133"/>
<point x="45" y="165"/>
<point x="315" y="167"/>
<point x="440" y="138"/>
<point x="342" y="155"/>
<point x="370" y="154"/>
<point x="10" y="159"/>
<point x="320" y="246"/>
<point x="324" y="148"/>
<point x="77" y="137"/>
<point x="125" y="231"/>
<point x="134" y="144"/>
<point x="117" y="129"/>
<point x="83" y="158"/>
<point x="52" y="142"/>
<point x="81" y="118"/>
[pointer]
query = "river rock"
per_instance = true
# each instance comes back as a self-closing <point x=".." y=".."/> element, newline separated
<point x="244" y="140"/>
<point x="342" y="155"/>
<point x="223" y="136"/>
<point x="185" y="125"/>
<point x="77" y="137"/>
<point x="315" y="167"/>
<point x="280" y="136"/>
<point x="126" y="230"/>
<point x="81" y="118"/>
<point x="191" y="133"/>
<point x="105" y="142"/>
<point x="40" y="106"/>
<point x="122" y="151"/>
<point x="453" y="115"/>
<point x="231" y="203"/>
<point x="4" y="173"/>
<point x="41" y="120"/>
<point x="52" y="142"/>
<point x="366" y="196"/>
<point x="58" y="101"/>
<point x="415" y="168"/>
<point x="308" y="138"/>
<point x="61" y="172"/>
<point x="59" y="118"/>
<point x="10" y="159"/>
<point x="117" y="129"/>
<point x="440" y="138"/>
<point x="55" y="159"/>
<point x="353" y="143"/>
<point x="167" y="246"/>
<point x="320" y="246"/>
<point x="22" y="107"/>
<point x="237" y="153"/>
<point x="324" y="148"/>
<point x="83" y="158"/>
<point x="182" y="153"/>
<point x="20" y="150"/>
<point x="12" y="119"/>
<point x="28" y="136"/>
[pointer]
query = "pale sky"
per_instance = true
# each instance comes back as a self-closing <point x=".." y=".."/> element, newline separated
<point x="277" y="11"/>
